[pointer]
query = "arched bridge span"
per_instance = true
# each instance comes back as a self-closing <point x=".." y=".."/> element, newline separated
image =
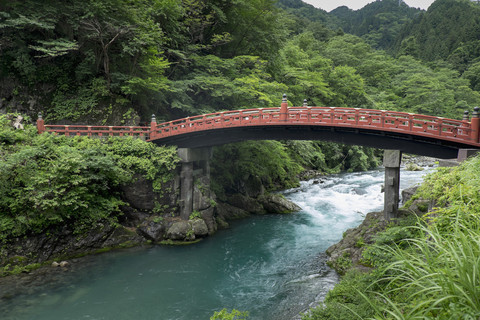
<point x="412" y="133"/>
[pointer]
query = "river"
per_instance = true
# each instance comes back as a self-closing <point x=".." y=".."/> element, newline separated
<point x="271" y="265"/>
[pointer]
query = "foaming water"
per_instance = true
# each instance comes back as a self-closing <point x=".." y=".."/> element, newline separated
<point x="272" y="265"/>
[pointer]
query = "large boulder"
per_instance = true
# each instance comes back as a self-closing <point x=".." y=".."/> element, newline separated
<point x="254" y="187"/>
<point x="228" y="212"/>
<point x="180" y="231"/>
<point x="408" y="193"/>
<point x="141" y="196"/>
<point x="199" y="227"/>
<point x="202" y="195"/>
<point x="152" y="229"/>
<point x="246" y="203"/>
<point x="348" y="252"/>
<point x="276" y="203"/>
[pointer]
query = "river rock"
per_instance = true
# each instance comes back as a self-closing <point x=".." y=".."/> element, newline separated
<point x="226" y="211"/>
<point x="199" y="227"/>
<point x="152" y="229"/>
<point x="276" y="203"/>
<point x="413" y="167"/>
<point x="202" y="195"/>
<point x="179" y="231"/>
<point x="141" y="196"/>
<point x="208" y="216"/>
<point x="408" y="193"/>
<point x="420" y="206"/>
<point x="63" y="264"/>
<point x="246" y="203"/>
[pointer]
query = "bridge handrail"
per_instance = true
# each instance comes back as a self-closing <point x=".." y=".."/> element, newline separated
<point x="462" y="131"/>
<point x="98" y="131"/>
<point x="395" y="121"/>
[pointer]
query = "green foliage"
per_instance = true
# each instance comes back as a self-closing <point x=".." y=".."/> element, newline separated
<point x="267" y="160"/>
<point x="456" y="195"/>
<point x="344" y="297"/>
<point x="379" y="22"/>
<point x="233" y="315"/>
<point x="276" y="165"/>
<point x="447" y="25"/>
<point x="48" y="181"/>
<point x="195" y="215"/>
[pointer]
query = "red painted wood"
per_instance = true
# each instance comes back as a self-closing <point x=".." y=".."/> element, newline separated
<point x="381" y="120"/>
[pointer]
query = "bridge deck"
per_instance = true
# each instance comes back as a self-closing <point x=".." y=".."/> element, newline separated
<point x="377" y="128"/>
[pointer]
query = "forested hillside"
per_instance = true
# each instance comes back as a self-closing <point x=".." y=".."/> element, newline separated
<point x="379" y="22"/>
<point x="117" y="61"/>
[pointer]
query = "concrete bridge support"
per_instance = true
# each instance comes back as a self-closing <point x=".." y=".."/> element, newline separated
<point x="193" y="161"/>
<point x="391" y="161"/>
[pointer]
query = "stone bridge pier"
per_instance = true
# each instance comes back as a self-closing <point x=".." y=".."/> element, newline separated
<point x="391" y="161"/>
<point x="195" y="163"/>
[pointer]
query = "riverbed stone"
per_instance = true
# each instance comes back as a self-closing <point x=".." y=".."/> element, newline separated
<point x="408" y="193"/>
<point x="420" y="206"/>
<point x="246" y="203"/>
<point x="152" y="229"/>
<point x="254" y="187"/>
<point x="199" y="227"/>
<point x="141" y="196"/>
<point x="228" y="212"/>
<point x="348" y="252"/>
<point x="179" y="230"/>
<point x="276" y="203"/>
<point x="202" y="195"/>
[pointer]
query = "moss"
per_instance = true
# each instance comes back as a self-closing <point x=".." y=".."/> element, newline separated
<point x="9" y="270"/>
<point x="170" y="242"/>
<point x="342" y="263"/>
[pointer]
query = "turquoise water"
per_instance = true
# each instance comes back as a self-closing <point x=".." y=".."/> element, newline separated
<point x="272" y="265"/>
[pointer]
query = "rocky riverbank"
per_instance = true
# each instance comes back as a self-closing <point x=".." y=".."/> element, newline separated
<point x="142" y="223"/>
<point x="347" y="253"/>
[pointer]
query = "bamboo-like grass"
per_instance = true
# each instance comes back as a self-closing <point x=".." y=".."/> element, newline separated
<point x="437" y="277"/>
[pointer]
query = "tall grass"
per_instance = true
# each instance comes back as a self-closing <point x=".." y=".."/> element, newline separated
<point x="437" y="277"/>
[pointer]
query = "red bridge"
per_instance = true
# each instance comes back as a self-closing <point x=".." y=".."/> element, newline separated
<point x="412" y="133"/>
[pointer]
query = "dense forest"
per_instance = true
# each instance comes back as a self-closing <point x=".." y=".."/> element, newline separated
<point x="119" y="61"/>
<point x="116" y="61"/>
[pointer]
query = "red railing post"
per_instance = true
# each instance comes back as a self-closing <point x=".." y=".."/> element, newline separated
<point x="284" y="108"/>
<point x="153" y="127"/>
<point x="40" y="124"/>
<point x="465" y="123"/>
<point x="475" y="123"/>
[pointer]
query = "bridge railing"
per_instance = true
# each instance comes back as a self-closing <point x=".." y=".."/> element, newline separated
<point x="99" y="131"/>
<point x="462" y="131"/>
<point x="449" y="129"/>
